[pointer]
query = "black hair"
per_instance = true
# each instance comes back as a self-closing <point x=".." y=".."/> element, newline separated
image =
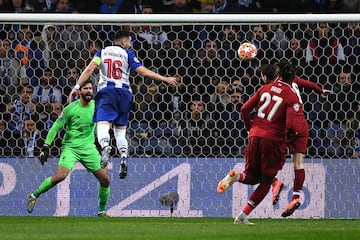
<point x="268" y="70"/>
<point x="286" y="71"/>
<point x="121" y="34"/>
<point x="86" y="82"/>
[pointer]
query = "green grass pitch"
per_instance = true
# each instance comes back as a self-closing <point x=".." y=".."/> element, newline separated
<point x="175" y="228"/>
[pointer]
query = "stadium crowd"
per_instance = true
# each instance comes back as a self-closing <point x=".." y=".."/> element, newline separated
<point x="40" y="64"/>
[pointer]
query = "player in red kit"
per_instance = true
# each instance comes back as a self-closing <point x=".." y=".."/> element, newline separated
<point x="297" y="145"/>
<point x="277" y="105"/>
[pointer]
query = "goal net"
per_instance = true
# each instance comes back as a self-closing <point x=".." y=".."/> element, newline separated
<point x="201" y="49"/>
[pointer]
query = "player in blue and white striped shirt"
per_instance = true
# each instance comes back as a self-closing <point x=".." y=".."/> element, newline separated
<point x="114" y="97"/>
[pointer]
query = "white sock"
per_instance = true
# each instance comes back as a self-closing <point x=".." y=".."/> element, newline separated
<point x="103" y="135"/>
<point x="121" y="141"/>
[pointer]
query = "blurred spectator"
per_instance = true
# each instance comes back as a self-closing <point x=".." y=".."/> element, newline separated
<point x="350" y="40"/>
<point x="225" y="6"/>
<point x="47" y="91"/>
<point x="352" y="145"/>
<point x="15" y="6"/>
<point x="9" y="67"/>
<point x="111" y="6"/>
<point x="140" y="135"/>
<point x="233" y="130"/>
<point x="20" y="108"/>
<point x="324" y="48"/>
<point x="62" y="6"/>
<point x="155" y="37"/>
<point x="352" y="5"/>
<point x="333" y="141"/>
<point x="67" y="84"/>
<point x="295" y="54"/>
<point x="221" y="98"/>
<point x="134" y="6"/>
<point x="74" y="38"/>
<point x="278" y="39"/>
<point x="230" y="37"/>
<point x="207" y="7"/>
<point x="91" y="47"/>
<point x="8" y="139"/>
<point x="246" y="5"/>
<point x="259" y="38"/>
<point x="50" y="46"/>
<point x="164" y="141"/>
<point x="178" y="6"/>
<point x="29" y="54"/>
<point x="31" y="141"/>
<point x="196" y="127"/>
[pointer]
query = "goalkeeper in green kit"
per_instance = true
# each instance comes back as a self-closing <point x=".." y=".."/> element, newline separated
<point x="78" y="145"/>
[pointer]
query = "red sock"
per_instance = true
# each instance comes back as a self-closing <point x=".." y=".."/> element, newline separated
<point x="274" y="181"/>
<point x="241" y="176"/>
<point x="247" y="209"/>
<point x="298" y="182"/>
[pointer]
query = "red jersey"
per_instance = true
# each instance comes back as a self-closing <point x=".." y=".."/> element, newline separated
<point x="277" y="108"/>
<point x="303" y="128"/>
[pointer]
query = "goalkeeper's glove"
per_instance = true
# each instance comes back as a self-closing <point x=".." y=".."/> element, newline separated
<point x="44" y="153"/>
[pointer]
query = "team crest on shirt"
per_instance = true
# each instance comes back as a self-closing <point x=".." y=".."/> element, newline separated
<point x="136" y="60"/>
<point x="296" y="107"/>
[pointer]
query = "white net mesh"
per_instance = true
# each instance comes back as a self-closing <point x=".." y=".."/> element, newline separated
<point x="200" y="118"/>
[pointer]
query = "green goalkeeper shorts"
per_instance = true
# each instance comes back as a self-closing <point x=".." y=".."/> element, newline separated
<point x="89" y="158"/>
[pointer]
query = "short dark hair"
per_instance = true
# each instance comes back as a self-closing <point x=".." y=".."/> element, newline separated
<point x="121" y="34"/>
<point x="268" y="70"/>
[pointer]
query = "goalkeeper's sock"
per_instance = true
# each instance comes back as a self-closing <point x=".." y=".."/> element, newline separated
<point x="104" y="194"/>
<point x="44" y="187"/>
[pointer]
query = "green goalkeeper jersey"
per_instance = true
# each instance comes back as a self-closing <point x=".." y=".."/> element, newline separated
<point x="78" y="122"/>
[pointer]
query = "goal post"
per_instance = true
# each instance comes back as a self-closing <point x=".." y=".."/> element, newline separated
<point x="174" y="19"/>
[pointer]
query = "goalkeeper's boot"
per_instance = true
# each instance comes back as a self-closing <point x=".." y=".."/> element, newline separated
<point x="105" y="154"/>
<point x="294" y="204"/>
<point x="102" y="214"/>
<point x="277" y="186"/>
<point x="123" y="168"/>
<point x="244" y="221"/>
<point x="30" y="202"/>
<point x="227" y="181"/>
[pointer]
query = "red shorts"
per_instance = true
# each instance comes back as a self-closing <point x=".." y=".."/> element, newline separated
<point x="298" y="144"/>
<point x="263" y="158"/>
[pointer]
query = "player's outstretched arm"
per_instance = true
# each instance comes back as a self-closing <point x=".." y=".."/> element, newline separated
<point x="326" y="93"/>
<point x="83" y="77"/>
<point x="145" y="72"/>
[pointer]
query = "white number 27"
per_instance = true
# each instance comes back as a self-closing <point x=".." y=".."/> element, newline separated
<point x="266" y="98"/>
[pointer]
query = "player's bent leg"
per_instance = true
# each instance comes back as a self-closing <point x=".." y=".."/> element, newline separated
<point x="30" y="202"/>
<point x="294" y="204"/>
<point x="227" y="181"/>
<point x="105" y="154"/>
<point x="277" y="186"/>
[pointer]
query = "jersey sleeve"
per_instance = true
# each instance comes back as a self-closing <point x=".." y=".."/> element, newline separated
<point x="134" y="62"/>
<point x="97" y="57"/>
<point x="55" y="128"/>
<point x="308" y="84"/>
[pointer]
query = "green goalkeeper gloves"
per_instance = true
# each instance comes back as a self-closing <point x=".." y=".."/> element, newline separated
<point x="44" y="154"/>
